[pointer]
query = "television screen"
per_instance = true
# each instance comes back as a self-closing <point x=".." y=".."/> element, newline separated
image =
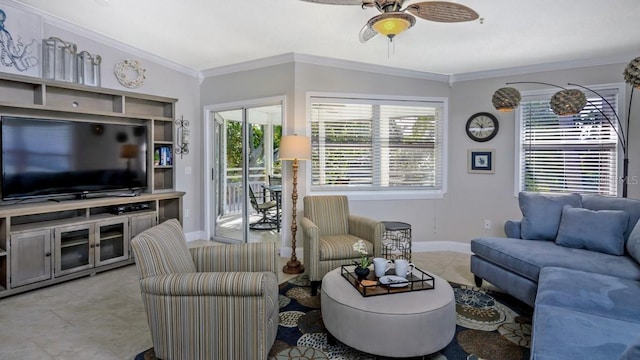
<point x="46" y="157"/>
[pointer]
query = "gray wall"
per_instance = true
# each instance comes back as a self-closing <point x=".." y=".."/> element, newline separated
<point x="471" y="198"/>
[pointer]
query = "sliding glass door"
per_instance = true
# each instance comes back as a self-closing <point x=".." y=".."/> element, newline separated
<point x="244" y="143"/>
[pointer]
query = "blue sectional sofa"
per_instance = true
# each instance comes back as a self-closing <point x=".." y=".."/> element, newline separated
<point x="576" y="259"/>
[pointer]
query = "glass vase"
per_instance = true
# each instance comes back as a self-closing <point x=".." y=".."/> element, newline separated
<point x="58" y="59"/>
<point x="88" y="69"/>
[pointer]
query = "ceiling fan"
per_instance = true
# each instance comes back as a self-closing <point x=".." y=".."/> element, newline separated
<point x="393" y="19"/>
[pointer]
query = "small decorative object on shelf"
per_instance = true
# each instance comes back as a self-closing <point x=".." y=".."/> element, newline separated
<point x="130" y="73"/>
<point x="182" y="146"/>
<point x="162" y="156"/>
<point x="88" y="69"/>
<point x="58" y="59"/>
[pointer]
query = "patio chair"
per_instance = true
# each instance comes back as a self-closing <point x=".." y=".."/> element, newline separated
<point x="268" y="220"/>
<point x="209" y="302"/>
<point x="275" y="180"/>
<point x="329" y="232"/>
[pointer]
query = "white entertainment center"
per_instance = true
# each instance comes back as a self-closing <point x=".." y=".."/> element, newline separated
<point x="45" y="242"/>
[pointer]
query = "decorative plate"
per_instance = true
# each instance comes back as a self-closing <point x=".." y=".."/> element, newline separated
<point x="394" y="281"/>
<point x="130" y="73"/>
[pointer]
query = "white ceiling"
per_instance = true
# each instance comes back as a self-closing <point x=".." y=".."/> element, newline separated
<point x="205" y="34"/>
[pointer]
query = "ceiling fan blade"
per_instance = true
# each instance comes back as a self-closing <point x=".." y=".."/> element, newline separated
<point x="336" y="2"/>
<point x="442" y="11"/>
<point x="367" y="33"/>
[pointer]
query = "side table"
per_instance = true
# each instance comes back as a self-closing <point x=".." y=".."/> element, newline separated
<point x="396" y="240"/>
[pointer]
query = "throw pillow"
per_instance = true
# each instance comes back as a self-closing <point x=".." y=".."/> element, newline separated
<point x="541" y="213"/>
<point x="633" y="243"/>
<point x="601" y="231"/>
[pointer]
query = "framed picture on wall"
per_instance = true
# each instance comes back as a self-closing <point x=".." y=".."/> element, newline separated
<point x="481" y="161"/>
<point x="20" y="37"/>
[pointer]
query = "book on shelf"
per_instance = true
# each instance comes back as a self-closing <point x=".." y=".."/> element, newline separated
<point x="163" y="156"/>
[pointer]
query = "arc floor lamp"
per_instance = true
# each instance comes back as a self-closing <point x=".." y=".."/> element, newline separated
<point x="572" y="101"/>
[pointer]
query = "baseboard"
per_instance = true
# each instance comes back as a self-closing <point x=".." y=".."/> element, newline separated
<point x="428" y="246"/>
<point x="416" y="246"/>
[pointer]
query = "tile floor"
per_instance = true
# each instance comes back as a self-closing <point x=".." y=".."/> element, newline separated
<point x="101" y="317"/>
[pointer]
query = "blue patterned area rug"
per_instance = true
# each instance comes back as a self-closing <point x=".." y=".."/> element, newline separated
<point x="490" y="325"/>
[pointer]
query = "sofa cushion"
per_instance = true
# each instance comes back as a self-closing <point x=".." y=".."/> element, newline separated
<point x="541" y="213"/>
<point x="560" y="333"/>
<point x="597" y="294"/>
<point x="599" y="202"/>
<point x="582" y="315"/>
<point x="337" y="247"/>
<point x="601" y="231"/>
<point x="633" y="243"/>
<point x="527" y="257"/>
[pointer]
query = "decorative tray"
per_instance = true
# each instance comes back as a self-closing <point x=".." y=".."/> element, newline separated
<point x="418" y="280"/>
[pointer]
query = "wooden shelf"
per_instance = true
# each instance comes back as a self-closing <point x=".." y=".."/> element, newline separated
<point x="66" y="244"/>
<point x="111" y="236"/>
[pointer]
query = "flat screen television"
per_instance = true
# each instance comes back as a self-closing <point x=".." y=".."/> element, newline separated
<point x="51" y="157"/>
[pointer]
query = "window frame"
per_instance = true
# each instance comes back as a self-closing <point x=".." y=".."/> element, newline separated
<point x="533" y="95"/>
<point x="390" y="194"/>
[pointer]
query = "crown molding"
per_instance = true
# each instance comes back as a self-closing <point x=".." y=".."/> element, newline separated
<point x="65" y="25"/>
<point x="323" y="61"/>
<point x="249" y="65"/>
<point x="538" y="68"/>
<point x="320" y="60"/>
<point x="372" y="68"/>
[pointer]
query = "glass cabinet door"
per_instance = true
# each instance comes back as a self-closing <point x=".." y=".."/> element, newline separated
<point x="112" y="241"/>
<point x="74" y="249"/>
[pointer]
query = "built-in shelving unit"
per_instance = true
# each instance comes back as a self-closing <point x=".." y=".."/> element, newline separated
<point x="21" y="95"/>
<point x="43" y="243"/>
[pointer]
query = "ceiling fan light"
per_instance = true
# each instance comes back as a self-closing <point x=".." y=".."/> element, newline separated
<point x="392" y="23"/>
<point x="568" y="102"/>
<point x="506" y="99"/>
<point x="391" y="27"/>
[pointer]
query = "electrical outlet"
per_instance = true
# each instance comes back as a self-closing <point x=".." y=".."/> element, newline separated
<point x="186" y="213"/>
<point x="487" y="224"/>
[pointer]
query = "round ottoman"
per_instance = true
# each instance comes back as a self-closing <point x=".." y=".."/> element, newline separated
<point x="407" y="324"/>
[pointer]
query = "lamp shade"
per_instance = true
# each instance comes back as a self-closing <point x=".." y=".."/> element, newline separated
<point x="295" y="147"/>
<point x="129" y="151"/>
<point x="506" y="99"/>
<point x="392" y="23"/>
<point x="568" y="102"/>
<point x="632" y="73"/>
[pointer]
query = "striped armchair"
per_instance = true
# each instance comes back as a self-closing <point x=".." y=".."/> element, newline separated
<point x="329" y="232"/>
<point x="211" y="302"/>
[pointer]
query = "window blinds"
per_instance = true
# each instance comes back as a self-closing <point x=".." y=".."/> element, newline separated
<point x="576" y="153"/>
<point x="375" y="144"/>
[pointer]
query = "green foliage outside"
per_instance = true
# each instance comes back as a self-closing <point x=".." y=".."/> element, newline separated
<point x="256" y="155"/>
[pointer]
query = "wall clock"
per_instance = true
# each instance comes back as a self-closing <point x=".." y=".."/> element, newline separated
<point x="482" y="127"/>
